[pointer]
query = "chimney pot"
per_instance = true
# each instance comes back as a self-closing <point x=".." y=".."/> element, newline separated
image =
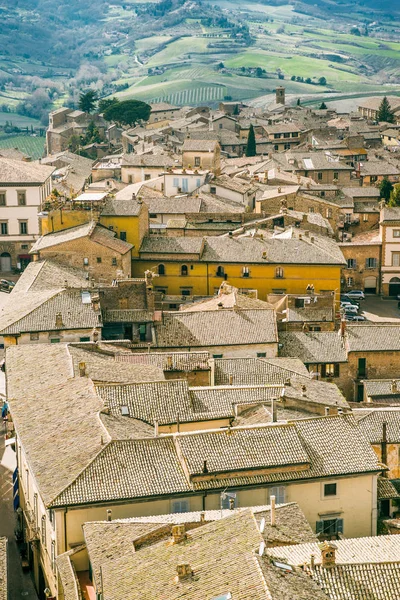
<point x="59" y="321"/>
<point x="328" y="554"/>
<point x="109" y="514"/>
<point x="273" y="511"/>
<point x="202" y="517"/>
<point x="179" y="533"/>
<point x="304" y="390"/>
<point x="205" y="469"/>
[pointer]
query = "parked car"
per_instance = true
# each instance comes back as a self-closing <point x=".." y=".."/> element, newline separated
<point x="6" y="285"/>
<point x="352" y="317"/>
<point x="346" y="298"/>
<point x="345" y="303"/>
<point x="357" y="294"/>
<point x="352" y="310"/>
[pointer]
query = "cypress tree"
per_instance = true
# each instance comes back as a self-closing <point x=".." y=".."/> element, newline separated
<point x="251" y="143"/>
<point x="385" y="112"/>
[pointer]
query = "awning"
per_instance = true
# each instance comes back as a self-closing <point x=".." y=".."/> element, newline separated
<point x="9" y="460"/>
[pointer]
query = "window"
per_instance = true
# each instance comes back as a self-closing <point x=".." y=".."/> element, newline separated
<point x="35" y="507"/>
<point x="185" y="184"/>
<point x="34" y="337"/>
<point x="311" y="210"/>
<point x="23" y="227"/>
<point x="43" y="530"/>
<point x="4" y="227"/>
<point x="351" y="263"/>
<point x="295" y="134"/>
<point x="122" y="236"/>
<point x="286" y="135"/>
<point x="396" y="232"/>
<point x="314" y="328"/>
<point x="329" y="526"/>
<point x="261" y="354"/>
<point x="278" y="290"/>
<point x="98" y="259"/>
<point x="53" y="556"/>
<point x="279" y="492"/>
<point x="213" y="189"/>
<point x="371" y="263"/>
<point x="217" y="355"/>
<point x="365" y="217"/>
<point x="362" y="367"/>
<point x="175" y="182"/>
<point x="319" y="176"/>
<point x="220" y="125"/>
<point x="55" y="341"/>
<point x="330" y="370"/>
<point x="330" y="489"/>
<point x="161" y="269"/>
<point x="197" y="161"/>
<point x="396" y="259"/>
<point x="85" y="262"/>
<point x="245" y="272"/>
<point x="21" y="196"/>
<point x="2" y="198"/>
<point x="114" y="262"/>
<point x="84" y="339"/>
<point x="186" y="292"/>
<point x="373" y="178"/>
<point x="276" y="147"/>
<point x="180" y="506"/>
<point x="286" y="146"/>
<point x="335" y="175"/>
<point x="142" y="332"/>
<point x="279" y="272"/>
<point x="220" y="271"/>
<point x="350" y="281"/>
<point x="129" y="178"/>
<point x="184" y="270"/>
<point x="24" y="246"/>
<point x="329" y="213"/>
<point x="198" y="182"/>
<point x="147" y="177"/>
<point x="228" y="500"/>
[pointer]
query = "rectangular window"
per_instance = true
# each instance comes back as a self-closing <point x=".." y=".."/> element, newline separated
<point x="330" y="489"/>
<point x="276" y="147"/>
<point x="180" y="506"/>
<point x="277" y="136"/>
<point x="23" y="227"/>
<point x="286" y="146"/>
<point x="53" y="556"/>
<point x="319" y="176"/>
<point x="261" y="354"/>
<point x="365" y="217"/>
<point x="396" y="259"/>
<point x="371" y="263"/>
<point x="186" y="292"/>
<point x="329" y="527"/>
<point x="350" y="281"/>
<point x="4" y="228"/>
<point x="329" y="213"/>
<point x="362" y="367"/>
<point x="130" y="179"/>
<point x="85" y="262"/>
<point x="299" y="303"/>
<point x="35" y="507"/>
<point x="197" y="161"/>
<point x="279" y="492"/>
<point x="34" y="337"/>
<point x="351" y="263"/>
<point x="198" y="182"/>
<point x="286" y="135"/>
<point x="213" y="190"/>
<point x="55" y="341"/>
<point x="98" y="259"/>
<point x="217" y="355"/>
<point x="396" y="232"/>
<point x="2" y="198"/>
<point x="175" y="182"/>
<point x="114" y="262"/>
<point x="43" y="530"/>
<point x="329" y="370"/>
<point x="311" y="210"/>
<point x="147" y="177"/>
<point x="21" y="198"/>
<point x="246" y="272"/>
<point x="122" y="236"/>
<point x="295" y="134"/>
<point x="84" y="339"/>
<point x="185" y="184"/>
<point x="335" y="175"/>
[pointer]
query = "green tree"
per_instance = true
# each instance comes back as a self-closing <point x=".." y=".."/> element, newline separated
<point x="104" y="103"/>
<point x="323" y="106"/>
<point x="128" y="112"/>
<point x="322" y="81"/>
<point x="386" y="188"/>
<point x="251" y="142"/>
<point x="395" y="196"/>
<point x="298" y="102"/>
<point x="309" y="80"/>
<point x="236" y="110"/>
<point x="385" y="112"/>
<point x="259" y="72"/>
<point x="92" y="134"/>
<point x="87" y="101"/>
<point x="74" y="143"/>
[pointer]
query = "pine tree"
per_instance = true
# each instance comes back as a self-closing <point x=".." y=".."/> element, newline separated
<point x="87" y="101"/>
<point x="298" y="101"/>
<point x="251" y="143"/>
<point x="385" y="112"/>
<point x="323" y="106"/>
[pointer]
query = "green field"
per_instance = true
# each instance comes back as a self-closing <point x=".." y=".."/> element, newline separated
<point x="30" y="145"/>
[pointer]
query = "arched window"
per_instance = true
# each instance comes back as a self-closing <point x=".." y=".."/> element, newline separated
<point x="279" y="272"/>
<point x="161" y="269"/>
<point x="220" y="271"/>
<point x="184" y="270"/>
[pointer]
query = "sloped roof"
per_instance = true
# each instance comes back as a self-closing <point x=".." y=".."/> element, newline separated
<point x="257" y="371"/>
<point x="20" y="172"/>
<point x="313" y="347"/>
<point x="371" y="424"/>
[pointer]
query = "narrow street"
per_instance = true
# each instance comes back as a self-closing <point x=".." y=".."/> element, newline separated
<point x="20" y="585"/>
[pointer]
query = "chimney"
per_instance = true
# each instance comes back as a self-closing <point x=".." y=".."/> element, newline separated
<point x="205" y="469"/>
<point x="304" y="390"/>
<point x="95" y="303"/>
<point x="274" y="410"/>
<point x="169" y="362"/>
<point x="393" y="386"/>
<point x="307" y="233"/>
<point x="342" y="328"/>
<point x="184" y="571"/>
<point x="231" y="503"/>
<point x="178" y="533"/>
<point x="273" y="511"/>
<point x="155" y="428"/>
<point x="312" y="561"/>
<point x="328" y="554"/>
<point x="109" y="511"/>
<point x="59" y="321"/>
<point x="202" y="517"/>
<point x="230" y="379"/>
<point x="82" y="369"/>
<point x="280" y="95"/>
<point x="312" y="239"/>
<point x="327" y="411"/>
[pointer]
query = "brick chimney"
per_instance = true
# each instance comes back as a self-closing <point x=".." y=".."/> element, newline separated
<point x="82" y="369"/>
<point x="59" y="321"/>
<point x="393" y="386"/>
<point x="95" y="303"/>
<point x="184" y="571"/>
<point x="384" y="444"/>
<point x="178" y="533"/>
<point x="273" y="511"/>
<point x="328" y="554"/>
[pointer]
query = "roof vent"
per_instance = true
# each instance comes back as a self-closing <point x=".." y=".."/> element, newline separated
<point x="184" y="571"/>
<point x="124" y="411"/>
<point x="225" y="596"/>
<point x="264" y="255"/>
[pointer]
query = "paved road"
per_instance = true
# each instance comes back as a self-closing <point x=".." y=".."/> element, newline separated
<point x="20" y="585"/>
<point x="378" y="310"/>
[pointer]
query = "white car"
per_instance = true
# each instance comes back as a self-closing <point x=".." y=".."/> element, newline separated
<point x="357" y="294"/>
<point x="350" y="310"/>
<point x="345" y="303"/>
